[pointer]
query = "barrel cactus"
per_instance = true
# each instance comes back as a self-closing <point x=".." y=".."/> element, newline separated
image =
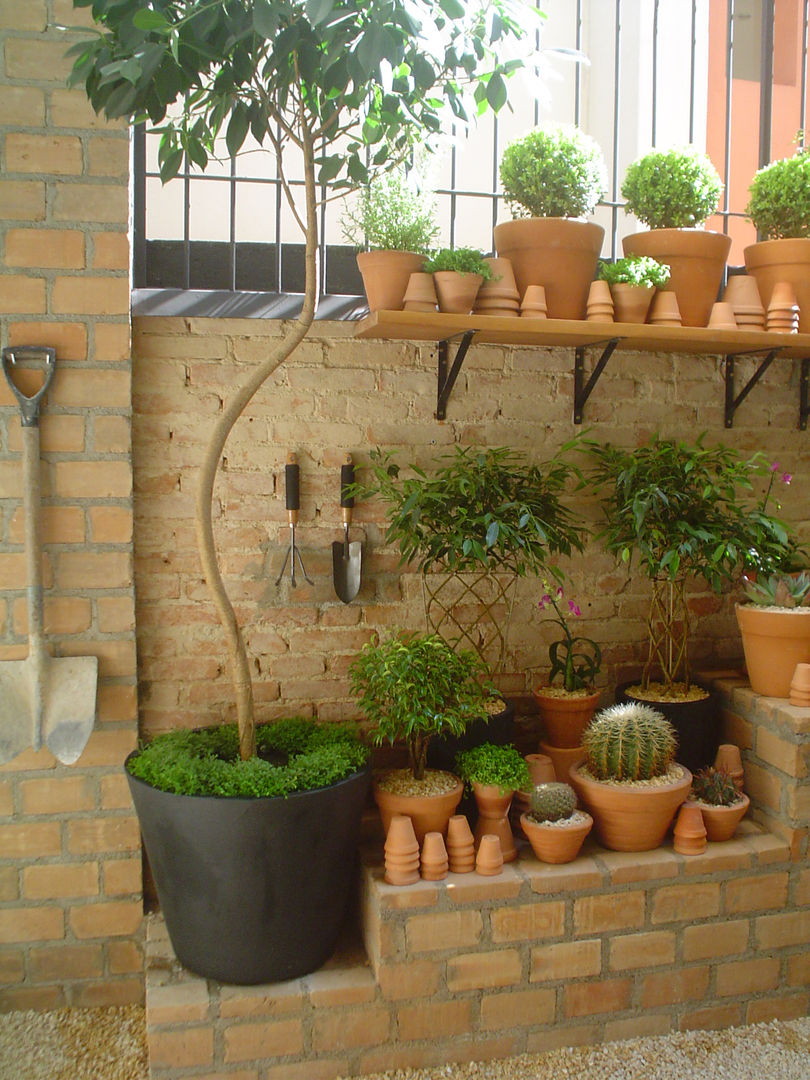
<point x="629" y="742"/>
<point x="714" y="786"/>
<point x="553" y="802"/>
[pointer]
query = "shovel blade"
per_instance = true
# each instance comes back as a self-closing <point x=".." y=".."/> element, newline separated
<point x="16" y="713"/>
<point x="70" y="706"/>
<point x="346" y="571"/>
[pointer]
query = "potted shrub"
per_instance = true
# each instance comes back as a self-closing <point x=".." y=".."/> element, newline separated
<point x="722" y="806"/>
<point x="673" y="192"/>
<point x="413" y="687"/>
<point x="458" y="274"/>
<point x="553" y="826"/>
<point x="779" y="207"/>
<point x="567" y="708"/>
<point x="394" y="218"/>
<point x="552" y="178"/>
<point x="775" y="629"/>
<point x="495" y="773"/>
<point x="676" y="510"/>
<point x="236" y="846"/>
<point x="633" y="281"/>
<point x="629" y="780"/>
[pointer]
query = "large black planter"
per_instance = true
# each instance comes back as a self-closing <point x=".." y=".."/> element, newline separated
<point x="697" y="724"/>
<point x="253" y="890"/>
<point x="498" y="728"/>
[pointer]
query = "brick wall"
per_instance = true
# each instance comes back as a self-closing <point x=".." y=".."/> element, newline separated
<point x="70" y="865"/>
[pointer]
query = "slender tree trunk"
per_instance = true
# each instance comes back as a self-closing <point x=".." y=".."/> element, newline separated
<point x="237" y="654"/>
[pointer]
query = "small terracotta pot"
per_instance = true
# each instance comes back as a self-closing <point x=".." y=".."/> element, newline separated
<point x="556" y="844"/>
<point x="800" y="685"/>
<point x="502" y="282"/>
<point x="774" y="642"/>
<point x="429" y="813"/>
<point x="460" y="845"/>
<point x="631" y="303"/>
<point x="401" y="852"/>
<point x="385" y="277"/>
<point x="493" y="810"/>
<point x="456" y="292"/>
<point x="533" y="305"/>
<point x="420" y="294"/>
<point x="434" y="857"/>
<point x="721" y="821"/>
<point x="600" y="303"/>
<point x="562" y="758"/>
<point x="689" y="837"/>
<point x="489" y="859"/>
<point x="722" y="317"/>
<point x="742" y="293"/>
<point x="729" y="758"/>
<point x="565" y="718"/>
<point x="664" y="310"/>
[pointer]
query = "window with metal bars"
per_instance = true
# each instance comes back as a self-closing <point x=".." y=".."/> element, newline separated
<point x="729" y="76"/>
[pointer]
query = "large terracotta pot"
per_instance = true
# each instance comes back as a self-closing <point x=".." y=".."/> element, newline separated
<point x="782" y="260"/>
<point x="565" y="718"/>
<point x="721" y="821"/>
<point x="630" y="817"/>
<point x="696" y="260"/>
<point x="558" y="253"/>
<point x="556" y="843"/>
<point x="385" y="277"/>
<point x="429" y="813"/>
<point x="774" y="641"/>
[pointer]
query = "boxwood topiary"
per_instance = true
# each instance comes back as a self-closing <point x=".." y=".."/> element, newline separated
<point x="779" y="205"/>
<point x="672" y="189"/>
<point x="491" y="764"/>
<point x="293" y="754"/>
<point x="553" y="172"/>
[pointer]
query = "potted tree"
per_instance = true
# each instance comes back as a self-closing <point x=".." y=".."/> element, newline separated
<point x="552" y="178"/>
<point x="682" y="509"/>
<point x="633" y="281"/>
<point x="673" y="192"/>
<point x="722" y="806"/>
<point x="394" y="218"/>
<point x="494" y="772"/>
<point x="458" y="274"/>
<point x="779" y="207"/>
<point x="554" y="827"/>
<point x="775" y="629"/>
<point x="629" y="780"/>
<point x="413" y="687"/>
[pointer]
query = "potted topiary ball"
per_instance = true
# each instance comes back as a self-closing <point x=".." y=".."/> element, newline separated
<point x="673" y="192"/>
<point x="779" y="207"/>
<point x="629" y="780"/>
<point x="458" y="274"/>
<point x="554" y="827"/>
<point x="633" y="281"/>
<point x="552" y="179"/>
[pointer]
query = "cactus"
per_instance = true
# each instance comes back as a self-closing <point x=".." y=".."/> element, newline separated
<point x="714" y="786"/>
<point x="629" y="742"/>
<point x="553" y="802"/>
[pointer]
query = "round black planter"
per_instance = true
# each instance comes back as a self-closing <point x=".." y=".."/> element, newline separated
<point x="253" y="890"/>
<point x="498" y="728"/>
<point x="697" y="724"/>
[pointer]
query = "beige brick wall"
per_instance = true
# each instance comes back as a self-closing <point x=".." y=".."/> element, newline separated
<point x="70" y="866"/>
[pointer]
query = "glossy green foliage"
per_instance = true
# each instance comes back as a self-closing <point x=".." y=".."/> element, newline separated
<point x="553" y="802"/>
<point x="779" y="203"/>
<point x="672" y="189"/>
<point x="553" y="172"/>
<point x="490" y="764"/>
<point x="629" y="742"/>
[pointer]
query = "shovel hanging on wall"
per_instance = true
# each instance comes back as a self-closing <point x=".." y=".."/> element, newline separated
<point x="44" y="700"/>
<point x="346" y="557"/>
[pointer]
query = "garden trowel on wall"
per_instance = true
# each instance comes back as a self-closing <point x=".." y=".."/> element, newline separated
<point x="44" y="700"/>
<point x="346" y="557"/>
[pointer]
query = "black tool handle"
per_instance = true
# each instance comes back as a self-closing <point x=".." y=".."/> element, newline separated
<point x="292" y="490"/>
<point x="346" y="478"/>
<point x="29" y="406"/>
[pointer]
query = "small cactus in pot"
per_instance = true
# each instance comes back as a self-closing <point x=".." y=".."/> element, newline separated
<point x="721" y="804"/>
<point x="553" y="802"/>
<point x="715" y="786"/>
<point x="555" y="828"/>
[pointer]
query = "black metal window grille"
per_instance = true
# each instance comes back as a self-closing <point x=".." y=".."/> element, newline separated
<point x="763" y="54"/>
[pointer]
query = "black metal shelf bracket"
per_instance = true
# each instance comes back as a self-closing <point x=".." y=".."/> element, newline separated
<point x="733" y="402"/>
<point x="804" y="394"/>
<point x="582" y="389"/>
<point x="447" y="376"/>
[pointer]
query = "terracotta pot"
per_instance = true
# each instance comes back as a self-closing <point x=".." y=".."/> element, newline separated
<point x="502" y="283"/>
<point x="562" y="758"/>
<point x="783" y="310"/>
<point x="721" y="821"/>
<point x="599" y="307"/>
<point x="489" y="860"/>
<point x="729" y="758"/>
<point x="493" y="817"/>
<point x="460" y="845"/>
<point x="565" y="718"/>
<point x="800" y="685"/>
<point x="385" y="277"/>
<point x="631" y="303"/>
<point x="429" y="813"/>
<point x="556" y="844"/>
<point x="722" y="316"/>
<point x="558" y="253"/>
<point x="774" y="642"/>
<point x="456" y="292"/>
<point x="664" y="310"/>
<point x="420" y="294"/>
<point x="689" y="835"/>
<point x="434" y="860"/>
<point x="696" y="260"/>
<point x="771" y="261"/>
<point x="742" y="292"/>
<point x="401" y="852"/>
<point x="629" y="817"/>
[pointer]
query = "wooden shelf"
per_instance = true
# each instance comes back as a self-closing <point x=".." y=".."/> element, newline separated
<point x="633" y="337"/>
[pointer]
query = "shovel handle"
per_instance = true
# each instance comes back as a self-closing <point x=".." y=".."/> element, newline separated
<point x="346" y="478"/>
<point x="29" y="406"/>
<point x="292" y="488"/>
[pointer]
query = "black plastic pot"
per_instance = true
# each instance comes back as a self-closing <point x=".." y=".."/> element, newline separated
<point x="253" y="890"/>
<point x="498" y="728"/>
<point x="697" y="724"/>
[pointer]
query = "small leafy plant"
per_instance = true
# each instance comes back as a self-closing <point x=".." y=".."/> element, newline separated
<point x="462" y="260"/>
<point x="715" y="787"/>
<point x="490" y="764"/>
<point x="629" y="742"/>
<point x="635" y="270"/>
<point x="672" y="189"/>
<point x="778" y="590"/>
<point x="576" y="659"/>
<point x="779" y="204"/>
<point x="552" y="802"/>
<point x="553" y="172"/>
<point x="414" y="686"/>
<point x="392" y="214"/>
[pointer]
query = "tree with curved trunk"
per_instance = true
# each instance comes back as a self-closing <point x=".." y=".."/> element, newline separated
<point x="352" y="85"/>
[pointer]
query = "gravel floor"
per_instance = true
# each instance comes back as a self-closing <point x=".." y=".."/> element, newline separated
<point x="110" y="1044"/>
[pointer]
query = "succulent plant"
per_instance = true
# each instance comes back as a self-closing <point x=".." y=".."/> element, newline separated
<point x="629" y="742"/>
<point x="714" y="786"/>
<point x="553" y="802"/>
<point x="779" y="590"/>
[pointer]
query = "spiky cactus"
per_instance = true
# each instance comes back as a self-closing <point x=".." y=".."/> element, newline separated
<point x="629" y="742"/>
<point x="714" y="786"/>
<point x="553" y="802"/>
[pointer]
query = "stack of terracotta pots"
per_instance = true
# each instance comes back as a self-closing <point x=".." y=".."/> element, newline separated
<point x="499" y="295"/>
<point x="565" y="717"/>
